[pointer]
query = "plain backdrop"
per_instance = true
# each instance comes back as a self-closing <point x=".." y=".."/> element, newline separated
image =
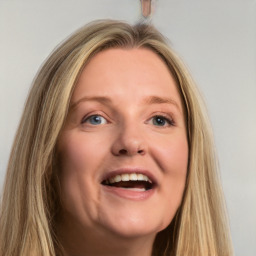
<point x="215" y="38"/>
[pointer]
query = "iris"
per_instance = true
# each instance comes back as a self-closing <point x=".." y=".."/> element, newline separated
<point x="95" y="120"/>
<point x="160" y="121"/>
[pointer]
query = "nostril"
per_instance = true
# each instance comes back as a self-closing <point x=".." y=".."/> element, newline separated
<point x="122" y="151"/>
<point x="125" y="152"/>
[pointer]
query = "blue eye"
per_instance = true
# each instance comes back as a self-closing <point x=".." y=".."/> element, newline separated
<point x="161" y="121"/>
<point x="95" y="120"/>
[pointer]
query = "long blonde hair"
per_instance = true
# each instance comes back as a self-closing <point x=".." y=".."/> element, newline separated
<point x="30" y="198"/>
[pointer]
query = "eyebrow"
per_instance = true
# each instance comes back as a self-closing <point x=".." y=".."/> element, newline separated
<point x="107" y="101"/>
<point x="161" y="100"/>
<point x="102" y="99"/>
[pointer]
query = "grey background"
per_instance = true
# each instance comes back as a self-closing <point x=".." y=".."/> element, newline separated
<point x="216" y="39"/>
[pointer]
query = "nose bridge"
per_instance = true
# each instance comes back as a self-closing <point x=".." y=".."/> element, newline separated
<point x="129" y="139"/>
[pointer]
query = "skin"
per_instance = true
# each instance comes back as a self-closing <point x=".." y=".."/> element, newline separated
<point x="95" y="221"/>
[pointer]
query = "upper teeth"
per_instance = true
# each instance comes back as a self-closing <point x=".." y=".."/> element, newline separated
<point x="128" y="177"/>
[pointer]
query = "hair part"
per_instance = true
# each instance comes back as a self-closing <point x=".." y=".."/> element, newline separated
<point x="30" y="200"/>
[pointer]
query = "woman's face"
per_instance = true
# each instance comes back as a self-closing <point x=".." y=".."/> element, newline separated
<point x="123" y="150"/>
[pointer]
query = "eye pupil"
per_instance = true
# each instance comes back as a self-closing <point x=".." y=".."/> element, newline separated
<point x="95" y="120"/>
<point x="158" y="120"/>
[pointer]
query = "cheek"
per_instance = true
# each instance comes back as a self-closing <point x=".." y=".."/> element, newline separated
<point x="78" y="164"/>
<point x="175" y="164"/>
<point x="80" y="153"/>
<point x="172" y="156"/>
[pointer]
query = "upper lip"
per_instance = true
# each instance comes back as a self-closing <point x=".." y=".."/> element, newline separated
<point x="130" y="170"/>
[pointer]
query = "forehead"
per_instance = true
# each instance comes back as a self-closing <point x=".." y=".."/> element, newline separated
<point x="126" y="73"/>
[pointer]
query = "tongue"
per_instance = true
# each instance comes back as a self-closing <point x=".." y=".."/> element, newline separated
<point x="131" y="184"/>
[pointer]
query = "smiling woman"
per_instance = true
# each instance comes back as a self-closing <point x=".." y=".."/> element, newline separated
<point x="114" y="154"/>
<point x="108" y="143"/>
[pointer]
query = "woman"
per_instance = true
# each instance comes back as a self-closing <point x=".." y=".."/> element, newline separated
<point x="114" y="154"/>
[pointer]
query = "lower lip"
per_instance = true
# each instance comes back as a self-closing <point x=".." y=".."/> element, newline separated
<point x="129" y="194"/>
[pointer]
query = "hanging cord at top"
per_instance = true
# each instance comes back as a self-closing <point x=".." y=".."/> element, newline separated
<point x="146" y="7"/>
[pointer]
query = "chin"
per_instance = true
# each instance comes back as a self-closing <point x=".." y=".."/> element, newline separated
<point x="135" y="225"/>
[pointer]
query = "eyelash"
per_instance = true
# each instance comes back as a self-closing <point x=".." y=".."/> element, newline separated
<point x="170" y="121"/>
<point x="86" y="118"/>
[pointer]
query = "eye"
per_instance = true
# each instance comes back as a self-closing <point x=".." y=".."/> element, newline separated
<point x="95" y="120"/>
<point x="161" y="121"/>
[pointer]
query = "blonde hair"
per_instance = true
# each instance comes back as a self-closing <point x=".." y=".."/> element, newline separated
<point x="30" y="198"/>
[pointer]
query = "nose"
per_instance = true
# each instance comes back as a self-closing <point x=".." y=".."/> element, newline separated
<point x="129" y="142"/>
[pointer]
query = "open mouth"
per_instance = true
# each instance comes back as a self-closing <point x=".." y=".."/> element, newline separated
<point x="132" y="181"/>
